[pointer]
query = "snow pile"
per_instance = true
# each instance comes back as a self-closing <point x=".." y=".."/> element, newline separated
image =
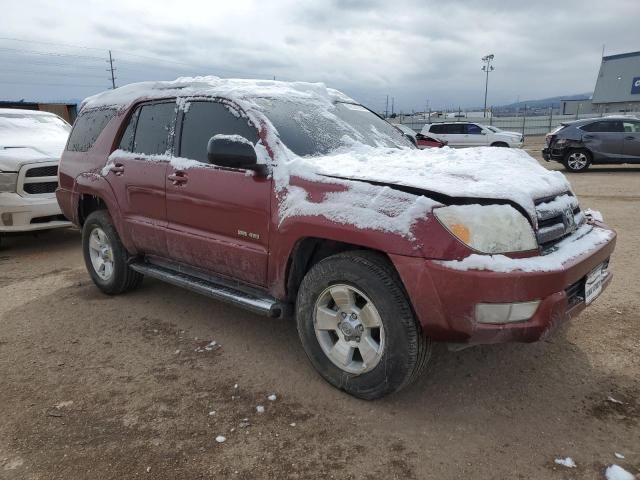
<point x="566" y="462"/>
<point x="614" y="472"/>
<point x="586" y="239"/>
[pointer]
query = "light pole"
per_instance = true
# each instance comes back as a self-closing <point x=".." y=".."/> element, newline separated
<point x="487" y="67"/>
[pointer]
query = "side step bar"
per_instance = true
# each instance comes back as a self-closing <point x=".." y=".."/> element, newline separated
<point x="253" y="301"/>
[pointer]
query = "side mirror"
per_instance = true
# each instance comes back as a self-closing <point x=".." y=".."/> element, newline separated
<point x="234" y="151"/>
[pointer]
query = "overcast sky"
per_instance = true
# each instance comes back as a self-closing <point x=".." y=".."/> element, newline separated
<point x="416" y="51"/>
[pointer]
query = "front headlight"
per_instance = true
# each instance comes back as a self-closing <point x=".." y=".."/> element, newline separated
<point x="488" y="229"/>
<point x="8" y="182"/>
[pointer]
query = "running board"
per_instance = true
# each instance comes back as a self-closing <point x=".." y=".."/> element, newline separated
<point x="262" y="305"/>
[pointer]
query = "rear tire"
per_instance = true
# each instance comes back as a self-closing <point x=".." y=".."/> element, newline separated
<point x="577" y="160"/>
<point x="388" y="351"/>
<point x="105" y="256"/>
<point x="500" y="144"/>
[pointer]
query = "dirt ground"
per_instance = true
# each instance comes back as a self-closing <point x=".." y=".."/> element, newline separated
<point x="94" y="387"/>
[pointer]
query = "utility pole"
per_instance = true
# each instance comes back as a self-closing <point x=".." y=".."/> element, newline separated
<point x="111" y="69"/>
<point x="487" y="67"/>
<point x="386" y="108"/>
<point x="393" y="99"/>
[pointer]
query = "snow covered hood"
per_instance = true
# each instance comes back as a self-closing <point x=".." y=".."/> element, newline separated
<point x="478" y="173"/>
<point x="28" y="136"/>
<point x="12" y="159"/>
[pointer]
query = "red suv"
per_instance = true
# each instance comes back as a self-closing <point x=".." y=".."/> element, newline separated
<point x="293" y="199"/>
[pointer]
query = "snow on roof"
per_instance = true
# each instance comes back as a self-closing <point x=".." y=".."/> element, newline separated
<point x="234" y="89"/>
<point x="22" y="111"/>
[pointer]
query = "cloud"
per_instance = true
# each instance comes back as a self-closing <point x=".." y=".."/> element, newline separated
<point x="409" y="49"/>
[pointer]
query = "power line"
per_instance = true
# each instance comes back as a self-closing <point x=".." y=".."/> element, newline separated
<point x="58" y="74"/>
<point x="53" y="54"/>
<point x="52" y="84"/>
<point x="52" y="64"/>
<point x="50" y="43"/>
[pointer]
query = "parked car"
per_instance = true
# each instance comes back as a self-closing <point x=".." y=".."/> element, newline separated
<point x="468" y="134"/>
<point x="292" y="199"/>
<point x="421" y="141"/>
<point x="582" y="143"/>
<point x="31" y="143"/>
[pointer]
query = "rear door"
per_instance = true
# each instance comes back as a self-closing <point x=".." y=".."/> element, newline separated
<point x="631" y="144"/>
<point x="604" y="138"/>
<point x="137" y="173"/>
<point x="218" y="218"/>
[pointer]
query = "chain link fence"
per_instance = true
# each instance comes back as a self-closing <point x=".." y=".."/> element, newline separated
<point x="527" y="124"/>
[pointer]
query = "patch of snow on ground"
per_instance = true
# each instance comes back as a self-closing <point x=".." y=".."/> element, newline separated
<point x="272" y="397"/>
<point x="619" y="455"/>
<point x="566" y="462"/>
<point x="221" y="439"/>
<point x="615" y="472"/>
<point x="614" y="400"/>
<point x="260" y="409"/>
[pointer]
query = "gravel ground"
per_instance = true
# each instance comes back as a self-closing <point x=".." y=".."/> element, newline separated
<point x="130" y="387"/>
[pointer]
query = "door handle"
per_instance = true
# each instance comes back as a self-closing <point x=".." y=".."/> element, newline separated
<point x="588" y="136"/>
<point x="178" y="178"/>
<point x="117" y="168"/>
<point x="629" y="138"/>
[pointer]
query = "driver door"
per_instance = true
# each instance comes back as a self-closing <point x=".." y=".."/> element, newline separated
<point x="218" y="218"/>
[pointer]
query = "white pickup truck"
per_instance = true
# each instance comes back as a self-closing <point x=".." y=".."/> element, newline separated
<point x="31" y="143"/>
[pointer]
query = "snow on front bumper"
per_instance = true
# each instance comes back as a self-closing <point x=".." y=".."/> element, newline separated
<point x="586" y="239"/>
<point x="445" y="294"/>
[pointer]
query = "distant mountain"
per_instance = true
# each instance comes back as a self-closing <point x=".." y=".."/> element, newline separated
<point x="553" y="102"/>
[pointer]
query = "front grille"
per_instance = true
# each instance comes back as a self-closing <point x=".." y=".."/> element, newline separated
<point x="50" y="171"/>
<point x="39" y="188"/>
<point x="558" y="217"/>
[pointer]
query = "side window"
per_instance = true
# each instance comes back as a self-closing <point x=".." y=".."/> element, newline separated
<point x="203" y="120"/>
<point x="154" y="126"/>
<point x="87" y="128"/>
<point x="126" y="142"/>
<point x="457" y="129"/>
<point x="631" y="127"/>
<point x="436" y="129"/>
<point x="604" y="126"/>
<point x="473" y="129"/>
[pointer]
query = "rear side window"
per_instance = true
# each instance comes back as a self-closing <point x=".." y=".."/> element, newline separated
<point x="153" y="128"/>
<point x="203" y="120"/>
<point x="603" y="126"/>
<point x="87" y="128"/>
<point x="440" y="128"/>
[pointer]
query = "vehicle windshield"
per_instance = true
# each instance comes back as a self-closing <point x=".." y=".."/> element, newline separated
<point x="310" y="131"/>
<point x="22" y="121"/>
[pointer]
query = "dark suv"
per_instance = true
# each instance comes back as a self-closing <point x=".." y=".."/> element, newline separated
<point x="594" y="141"/>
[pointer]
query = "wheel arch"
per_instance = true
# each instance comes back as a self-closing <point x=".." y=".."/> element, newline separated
<point x="307" y="252"/>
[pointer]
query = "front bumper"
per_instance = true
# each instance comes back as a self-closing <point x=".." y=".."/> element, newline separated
<point x="444" y="298"/>
<point x="22" y="214"/>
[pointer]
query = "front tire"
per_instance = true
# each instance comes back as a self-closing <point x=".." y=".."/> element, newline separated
<point x="357" y="326"/>
<point x="577" y="160"/>
<point x="500" y="144"/>
<point x="105" y="256"/>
